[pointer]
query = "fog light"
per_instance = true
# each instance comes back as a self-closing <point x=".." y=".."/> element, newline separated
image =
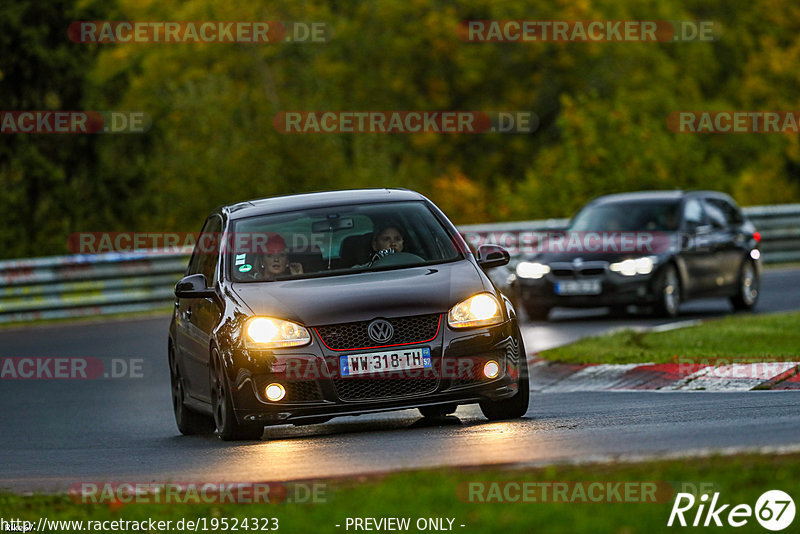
<point x="491" y="369"/>
<point x="275" y="392"/>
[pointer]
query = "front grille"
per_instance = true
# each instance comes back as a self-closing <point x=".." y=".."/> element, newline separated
<point x="478" y="378"/>
<point x="302" y="391"/>
<point x="567" y="272"/>
<point x="349" y="336"/>
<point x="382" y="388"/>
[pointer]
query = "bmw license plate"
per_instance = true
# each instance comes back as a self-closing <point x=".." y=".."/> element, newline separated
<point x="579" y="287"/>
<point x="376" y="362"/>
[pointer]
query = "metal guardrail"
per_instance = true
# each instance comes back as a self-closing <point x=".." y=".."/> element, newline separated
<point x="101" y="284"/>
<point x="780" y="231"/>
<point x="87" y="284"/>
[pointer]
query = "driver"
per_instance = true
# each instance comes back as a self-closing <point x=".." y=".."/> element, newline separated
<point x="275" y="260"/>
<point x="386" y="240"/>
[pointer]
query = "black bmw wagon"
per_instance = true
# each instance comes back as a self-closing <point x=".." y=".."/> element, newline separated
<point x="300" y="308"/>
<point x="649" y="248"/>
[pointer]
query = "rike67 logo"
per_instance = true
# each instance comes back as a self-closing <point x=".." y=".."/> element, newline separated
<point x="774" y="510"/>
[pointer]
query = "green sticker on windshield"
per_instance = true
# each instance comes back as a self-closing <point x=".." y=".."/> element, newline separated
<point x="244" y="268"/>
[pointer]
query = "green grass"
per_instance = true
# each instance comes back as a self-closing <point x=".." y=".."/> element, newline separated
<point x="739" y="338"/>
<point x="441" y="493"/>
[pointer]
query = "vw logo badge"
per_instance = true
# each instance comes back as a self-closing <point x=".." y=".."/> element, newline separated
<point x="380" y="331"/>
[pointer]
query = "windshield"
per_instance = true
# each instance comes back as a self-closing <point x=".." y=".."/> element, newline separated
<point x="338" y="240"/>
<point x="627" y="217"/>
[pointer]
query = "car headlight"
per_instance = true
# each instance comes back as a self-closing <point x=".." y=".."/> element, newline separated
<point x="634" y="266"/>
<point x="267" y="332"/>
<point x="527" y="269"/>
<point x="479" y="310"/>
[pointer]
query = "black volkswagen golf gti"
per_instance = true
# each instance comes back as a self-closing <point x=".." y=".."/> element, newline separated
<point x="300" y="308"/>
<point x="651" y="248"/>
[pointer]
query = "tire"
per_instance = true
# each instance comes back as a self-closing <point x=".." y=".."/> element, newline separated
<point x="747" y="293"/>
<point x="669" y="292"/>
<point x="514" y="407"/>
<point x="437" y="411"/>
<point x="190" y="423"/>
<point x="228" y="428"/>
<point x="537" y="313"/>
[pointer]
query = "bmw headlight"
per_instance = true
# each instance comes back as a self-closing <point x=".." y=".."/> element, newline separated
<point x="479" y="310"/>
<point x="267" y="332"/>
<point x="527" y="269"/>
<point x="634" y="266"/>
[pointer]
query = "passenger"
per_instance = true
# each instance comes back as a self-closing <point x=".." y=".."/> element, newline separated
<point x="275" y="261"/>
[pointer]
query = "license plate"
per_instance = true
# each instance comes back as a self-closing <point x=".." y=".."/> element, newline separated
<point x="579" y="287"/>
<point x="376" y="362"/>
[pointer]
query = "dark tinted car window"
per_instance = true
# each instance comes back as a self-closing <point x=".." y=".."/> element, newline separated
<point x="715" y="216"/>
<point x="205" y="262"/>
<point x="730" y="212"/>
<point x="627" y="216"/>
<point x="339" y="240"/>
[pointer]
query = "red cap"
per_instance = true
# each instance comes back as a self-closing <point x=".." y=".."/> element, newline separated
<point x="275" y="243"/>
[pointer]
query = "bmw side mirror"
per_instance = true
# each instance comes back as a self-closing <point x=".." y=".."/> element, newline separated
<point x="194" y="286"/>
<point x="704" y="229"/>
<point x="492" y="256"/>
<point x="697" y="228"/>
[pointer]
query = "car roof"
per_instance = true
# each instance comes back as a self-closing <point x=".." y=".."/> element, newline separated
<point x="323" y="199"/>
<point x="644" y="196"/>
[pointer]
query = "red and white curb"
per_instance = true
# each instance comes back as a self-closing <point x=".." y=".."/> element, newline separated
<point x="548" y="376"/>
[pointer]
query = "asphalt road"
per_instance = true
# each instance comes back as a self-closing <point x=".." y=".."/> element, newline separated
<point x="60" y="432"/>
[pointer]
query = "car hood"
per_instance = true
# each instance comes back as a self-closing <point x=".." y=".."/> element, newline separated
<point x="363" y="296"/>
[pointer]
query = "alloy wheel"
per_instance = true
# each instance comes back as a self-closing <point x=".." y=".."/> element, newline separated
<point x="671" y="292"/>
<point x="749" y="283"/>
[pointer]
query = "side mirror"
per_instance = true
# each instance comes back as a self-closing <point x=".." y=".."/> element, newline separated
<point x="697" y="228"/>
<point x="704" y="229"/>
<point x="492" y="256"/>
<point x="194" y="287"/>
